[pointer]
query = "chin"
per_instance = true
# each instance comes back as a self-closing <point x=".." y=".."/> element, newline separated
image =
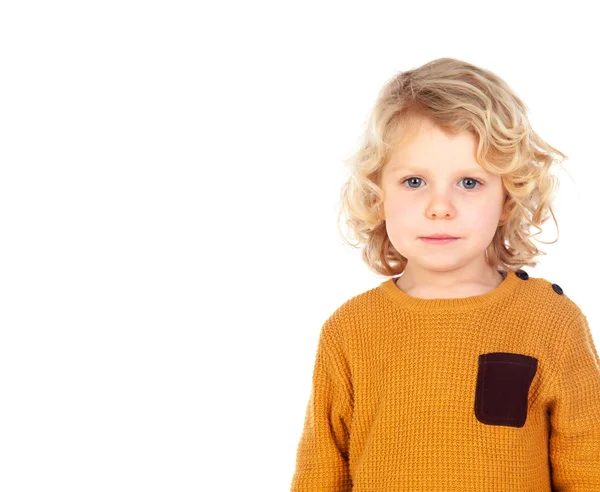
<point x="441" y="265"/>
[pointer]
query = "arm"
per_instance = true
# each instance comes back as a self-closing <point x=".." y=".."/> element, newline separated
<point x="575" y="413"/>
<point x="322" y="453"/>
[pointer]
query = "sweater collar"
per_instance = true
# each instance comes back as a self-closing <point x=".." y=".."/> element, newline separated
<point x="402" y="299"/>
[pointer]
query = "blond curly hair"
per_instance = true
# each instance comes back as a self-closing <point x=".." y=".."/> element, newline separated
<point x="456" y="96"/>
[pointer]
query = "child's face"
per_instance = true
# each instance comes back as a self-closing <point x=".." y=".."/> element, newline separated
<point x="443" y="200"/>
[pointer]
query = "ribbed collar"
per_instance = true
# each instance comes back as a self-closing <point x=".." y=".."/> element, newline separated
<point x="402" y="299"/>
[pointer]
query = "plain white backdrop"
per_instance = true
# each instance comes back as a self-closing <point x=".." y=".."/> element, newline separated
<point x="168" y="193"/>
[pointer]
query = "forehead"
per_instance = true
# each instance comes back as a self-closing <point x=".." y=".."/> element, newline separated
<point x="424" y="146"/>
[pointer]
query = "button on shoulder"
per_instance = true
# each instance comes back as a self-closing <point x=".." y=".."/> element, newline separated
<point x="522" y="274"/>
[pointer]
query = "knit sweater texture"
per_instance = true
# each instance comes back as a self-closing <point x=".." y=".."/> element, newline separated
<point x="494" y="392"/>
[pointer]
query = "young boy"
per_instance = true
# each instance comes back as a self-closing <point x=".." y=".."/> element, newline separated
<point x="463" y="373"/>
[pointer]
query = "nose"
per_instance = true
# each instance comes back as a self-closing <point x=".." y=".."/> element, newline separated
<point x="440" y="207"/>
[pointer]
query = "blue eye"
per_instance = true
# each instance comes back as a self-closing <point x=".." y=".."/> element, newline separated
<point x="464" y="179"/>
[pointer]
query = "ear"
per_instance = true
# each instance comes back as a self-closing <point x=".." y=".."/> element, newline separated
<point x="503" y="215"/>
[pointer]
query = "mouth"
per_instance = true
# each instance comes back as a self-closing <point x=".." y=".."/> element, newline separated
<point x="439" y="236"/>
<point x="439" y="240"/>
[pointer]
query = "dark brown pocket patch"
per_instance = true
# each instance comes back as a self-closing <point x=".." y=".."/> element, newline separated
<point x="502" y="394"/>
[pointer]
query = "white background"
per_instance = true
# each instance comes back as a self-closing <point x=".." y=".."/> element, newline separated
<point x="169" y="182"/>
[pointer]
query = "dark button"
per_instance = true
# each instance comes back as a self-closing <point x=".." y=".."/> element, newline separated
<point x="522" y="274"/>
<point x="557" y="289"/>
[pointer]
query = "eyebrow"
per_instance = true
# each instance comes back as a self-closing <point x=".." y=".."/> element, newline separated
<point x="424" y="171"/>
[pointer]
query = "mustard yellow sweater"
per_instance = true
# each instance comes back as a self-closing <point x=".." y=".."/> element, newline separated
<point x="496" y="392"/>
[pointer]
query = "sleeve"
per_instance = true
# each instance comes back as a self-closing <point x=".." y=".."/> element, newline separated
<point x="574" y="408"/>
<point x="322" y="452"/>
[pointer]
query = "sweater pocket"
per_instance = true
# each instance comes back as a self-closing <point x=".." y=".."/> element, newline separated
<point x="502" y="394"/>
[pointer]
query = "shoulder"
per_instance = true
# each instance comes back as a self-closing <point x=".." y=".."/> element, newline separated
<point x="354" y="312"/>
<point x="359" y="305"/>
<point x="548" y="295"/>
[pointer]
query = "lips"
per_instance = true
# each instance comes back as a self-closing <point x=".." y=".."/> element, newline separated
<point x="440" y="236"/>
<point x="445" y="240"/>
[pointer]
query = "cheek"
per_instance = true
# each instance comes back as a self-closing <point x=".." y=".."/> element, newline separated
<point x="483" y="218"/>
<point x="401" y="212"/>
